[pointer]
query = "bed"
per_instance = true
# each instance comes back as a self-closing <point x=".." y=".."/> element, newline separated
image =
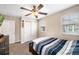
<point x="54" y="46"/>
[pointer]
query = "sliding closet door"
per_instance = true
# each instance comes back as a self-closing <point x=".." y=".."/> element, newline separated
<point x="8" y="28"/>
<point x="29" y="31"/>
<point x="33" y="30"/>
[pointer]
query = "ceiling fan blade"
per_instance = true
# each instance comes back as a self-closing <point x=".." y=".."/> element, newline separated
<point x="40" y="6"/>
<point x="28" y="14"/>
<point x="25" y="8"/>
<point x="42" y="13"/>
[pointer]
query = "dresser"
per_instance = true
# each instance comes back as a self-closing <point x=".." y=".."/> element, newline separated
<point x="4" y="45"/>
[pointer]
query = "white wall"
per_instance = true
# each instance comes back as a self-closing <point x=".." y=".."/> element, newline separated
<point x="53" y="24"/>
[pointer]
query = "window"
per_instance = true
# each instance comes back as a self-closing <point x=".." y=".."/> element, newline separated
<point x="71" y="25"/>
<point x="70" y="28"/>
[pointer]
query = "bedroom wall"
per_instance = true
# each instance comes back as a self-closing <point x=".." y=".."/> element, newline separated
<point x="53" y="26"/>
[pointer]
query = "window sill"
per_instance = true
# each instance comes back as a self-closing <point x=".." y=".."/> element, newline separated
<point x="71" y="33"/>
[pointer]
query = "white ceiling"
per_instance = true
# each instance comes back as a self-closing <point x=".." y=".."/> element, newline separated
<point x="14" y="9"/>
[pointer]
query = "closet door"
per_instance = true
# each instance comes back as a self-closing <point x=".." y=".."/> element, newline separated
<point x="8" y="28"/>
<point x="27" y="31"/>
<point x="33" y="30"/>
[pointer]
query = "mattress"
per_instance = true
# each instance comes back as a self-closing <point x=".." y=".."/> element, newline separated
<point x="36" y="41"/>
<point x="55" y="46"/>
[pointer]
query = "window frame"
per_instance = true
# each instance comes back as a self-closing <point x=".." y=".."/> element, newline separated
<point x="68" y="23"/>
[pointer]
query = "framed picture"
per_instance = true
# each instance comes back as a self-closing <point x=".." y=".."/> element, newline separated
<point x="42" y="28"/>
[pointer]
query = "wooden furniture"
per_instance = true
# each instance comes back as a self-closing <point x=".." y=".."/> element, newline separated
<point x="31" y="49"/>
<point x="4" y="45"/>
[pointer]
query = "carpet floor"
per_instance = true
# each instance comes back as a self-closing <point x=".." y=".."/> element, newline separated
<point x="19" y="49"/>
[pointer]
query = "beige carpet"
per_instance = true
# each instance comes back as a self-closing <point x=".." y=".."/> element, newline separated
<point x="19" y="49"/>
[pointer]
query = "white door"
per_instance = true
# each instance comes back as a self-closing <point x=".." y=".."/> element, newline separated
<point x="33" y="30"/>
<point x="29" y="32"/>
<point x="8" y="28"/>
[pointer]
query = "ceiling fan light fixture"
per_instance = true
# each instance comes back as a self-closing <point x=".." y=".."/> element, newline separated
<point x="35" y="13"/>
<point x="35" y="10"/>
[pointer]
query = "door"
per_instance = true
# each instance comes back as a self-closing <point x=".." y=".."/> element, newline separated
<point x="8" y="28"/>
<point x="29" y="32"/>
<point x="33" y="30"/>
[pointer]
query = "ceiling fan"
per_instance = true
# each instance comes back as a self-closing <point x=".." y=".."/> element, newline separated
<point x="35" y="10"/>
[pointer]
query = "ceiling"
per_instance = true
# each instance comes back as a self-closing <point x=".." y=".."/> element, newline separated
<point x="14" y="9"/>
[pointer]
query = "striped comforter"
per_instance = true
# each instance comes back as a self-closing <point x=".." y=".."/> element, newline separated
<point x="55" y="46"/>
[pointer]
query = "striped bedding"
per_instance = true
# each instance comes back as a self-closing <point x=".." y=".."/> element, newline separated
<point x="55" y="46"/>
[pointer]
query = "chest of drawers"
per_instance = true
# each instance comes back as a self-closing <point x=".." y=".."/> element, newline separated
<point x="4" y="45"/>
